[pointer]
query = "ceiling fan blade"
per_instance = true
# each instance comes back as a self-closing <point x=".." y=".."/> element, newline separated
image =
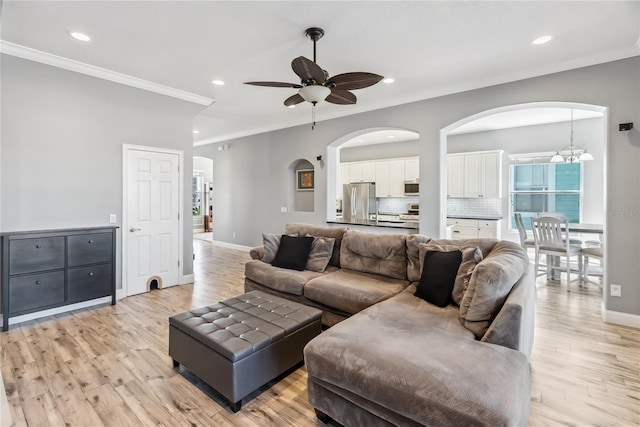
<point x="274" y="84"/>
<point x="307" y="70"/>
<point x="342" y="97"/>
<point x="352" y="81"/>
<point x="293" y="100"/>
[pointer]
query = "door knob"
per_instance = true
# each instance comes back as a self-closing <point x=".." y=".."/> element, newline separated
<point x="134" y="229"/>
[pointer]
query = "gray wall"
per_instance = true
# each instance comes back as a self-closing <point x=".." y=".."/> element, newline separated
<point x="251" y="185"/>
<point x="380" y="151"/>
<point x="588" y="134"/>
<point x="61" y="152"/>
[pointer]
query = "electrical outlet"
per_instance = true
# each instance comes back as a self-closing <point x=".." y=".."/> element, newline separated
<point x="234" y="235"/>
<point x="283" y="209"/>
<point x="616" y="290"/>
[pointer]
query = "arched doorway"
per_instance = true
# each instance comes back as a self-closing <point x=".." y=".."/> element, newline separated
<point x="542" y="143"/>
<point x="362" y="138"/>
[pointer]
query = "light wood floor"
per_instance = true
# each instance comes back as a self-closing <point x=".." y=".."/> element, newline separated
<point x="109" y="365"/>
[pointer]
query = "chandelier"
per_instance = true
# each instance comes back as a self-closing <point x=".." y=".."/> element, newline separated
<point x="571" y="153"/>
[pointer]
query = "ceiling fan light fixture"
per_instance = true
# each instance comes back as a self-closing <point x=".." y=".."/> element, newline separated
<point x="314" y="93"/>
<point x="557" y="158"/>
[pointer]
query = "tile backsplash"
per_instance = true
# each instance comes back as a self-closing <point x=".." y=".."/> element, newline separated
<point x="396" y="205"/>
<point x="474" y="207"/>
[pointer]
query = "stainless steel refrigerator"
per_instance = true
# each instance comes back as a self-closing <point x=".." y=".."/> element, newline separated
<point x="359" y="200"/>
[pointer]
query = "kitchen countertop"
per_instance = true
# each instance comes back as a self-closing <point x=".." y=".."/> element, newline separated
<point x="372" y="223"/>
<point x="473" y="217"/>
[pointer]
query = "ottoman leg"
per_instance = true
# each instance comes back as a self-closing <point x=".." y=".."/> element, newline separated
<point x="322" y="416"/>
<point x="175" y="363"/>
<point x="236" y="406"/>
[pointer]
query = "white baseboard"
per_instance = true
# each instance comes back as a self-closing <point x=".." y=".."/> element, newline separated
<point x="619" y="318"/>
<point x="58" y="310"/>
<point x="187" y="278"/>
<point x="5" y="415"/>
<point x="231" y="246"/>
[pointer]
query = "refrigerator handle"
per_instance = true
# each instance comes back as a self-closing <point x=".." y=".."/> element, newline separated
<point x="353" y="203"/>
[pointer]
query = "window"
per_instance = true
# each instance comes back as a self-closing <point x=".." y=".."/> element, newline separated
<point x="545" y="187"/>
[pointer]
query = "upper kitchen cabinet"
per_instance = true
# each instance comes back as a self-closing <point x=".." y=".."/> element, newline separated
<point x="343" y="178"/>
<point x="362" y="172"/>
<point x="455" y="175"/>
<point x="412" y="170"/>
<point x="390" y="178"/>
<point x="474" y="175"/>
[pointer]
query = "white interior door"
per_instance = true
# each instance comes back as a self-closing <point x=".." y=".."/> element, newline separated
<point x="152" y="219"/>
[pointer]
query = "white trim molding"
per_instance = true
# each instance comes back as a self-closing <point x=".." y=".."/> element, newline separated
<point x="619" y="318"/>
<point x="101" y="73"/>
<point x="187" y="278"/>
<point x="231" y="246"/>
<point x="58" y="310"/>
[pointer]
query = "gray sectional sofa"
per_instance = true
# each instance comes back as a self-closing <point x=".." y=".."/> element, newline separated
<point x="391" y="358"/>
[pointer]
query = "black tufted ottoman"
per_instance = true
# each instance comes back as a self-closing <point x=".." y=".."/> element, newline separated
<point x="240" y="344"/>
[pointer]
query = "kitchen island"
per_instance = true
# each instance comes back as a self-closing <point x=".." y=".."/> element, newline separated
<point x="373" y="226"/>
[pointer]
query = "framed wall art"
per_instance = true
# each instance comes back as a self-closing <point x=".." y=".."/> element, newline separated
<point x="305" y="180"/>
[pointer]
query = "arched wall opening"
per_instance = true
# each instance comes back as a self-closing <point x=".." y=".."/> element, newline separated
<point x="445" y="136"/>
<point x="333" y="162"/>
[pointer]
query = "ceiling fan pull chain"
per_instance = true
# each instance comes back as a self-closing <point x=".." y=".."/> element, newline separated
<point x="313" y="115"/>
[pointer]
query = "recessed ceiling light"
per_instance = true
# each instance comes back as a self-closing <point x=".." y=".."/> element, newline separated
<point x="389" y="80"/>
<point x="80" y="36"/>
<point x="361" y="140"/>
<point x="196" y="131"/>
<point x="542" y="40"/>
<point x="217" y="82"/>
<point x="391" y="136"/>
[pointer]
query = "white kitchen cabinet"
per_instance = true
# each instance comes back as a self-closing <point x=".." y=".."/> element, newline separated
<point x="362" y="172"/>
<point x="396" y="178"/>
<point x="382" y="179"/>
<point x="474" y="175"/>
<point x="389" y="178"/>
<point x="412" y="170"/>
<point x="473" y="228"/>
<point x="455" y="175"/>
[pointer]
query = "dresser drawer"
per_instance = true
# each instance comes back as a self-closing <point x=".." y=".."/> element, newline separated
<point x="85" y="249"/>
<point x="487" y="223"/>
<point x="37" y="254"/>
<point x="85" y="283"/>
<point x="36" y="291"/>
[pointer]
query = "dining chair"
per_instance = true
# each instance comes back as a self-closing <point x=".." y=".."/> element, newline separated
<point x="593" y="252"/>
<point x="551" y="237"/>
<point x="562" y="216"/>
<point x="525" y="242"/>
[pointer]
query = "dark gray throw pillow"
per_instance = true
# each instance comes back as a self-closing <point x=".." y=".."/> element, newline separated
<point x="293" y="252"/>
<point x="438" y="276"/>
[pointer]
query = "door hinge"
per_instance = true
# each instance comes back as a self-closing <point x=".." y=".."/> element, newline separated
<point x="178" y="168"/>
<point x="178" y="263"/>
<point x="178" y="215"/>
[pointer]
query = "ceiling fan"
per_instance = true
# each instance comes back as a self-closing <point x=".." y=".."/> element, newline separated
<point x="315" y="83"/>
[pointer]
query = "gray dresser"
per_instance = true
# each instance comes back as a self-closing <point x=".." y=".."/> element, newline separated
<point x="50" y="268"/>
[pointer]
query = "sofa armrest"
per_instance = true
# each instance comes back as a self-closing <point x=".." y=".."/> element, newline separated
<point x="257" y="252"/>
<point x="514" y="325"/>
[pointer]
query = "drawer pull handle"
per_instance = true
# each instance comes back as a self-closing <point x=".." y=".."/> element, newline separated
<point x="90" y="241"/>
<point x="456" y="231"/>
<point x="38" y="282"/>
<point x="38" y="246"/>
<point x="91" y="274"/>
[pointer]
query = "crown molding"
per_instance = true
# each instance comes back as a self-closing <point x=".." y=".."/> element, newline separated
<point x="101" y="73"/>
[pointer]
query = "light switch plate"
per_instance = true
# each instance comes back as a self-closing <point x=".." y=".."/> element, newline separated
<point x="283" y="209"/>
<point x="112" y="219"/>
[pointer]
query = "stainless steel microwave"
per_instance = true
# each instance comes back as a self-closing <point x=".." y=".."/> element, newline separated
<point x="411" y="188"/>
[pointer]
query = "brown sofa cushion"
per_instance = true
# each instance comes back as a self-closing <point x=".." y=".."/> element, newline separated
<point x="320" y="255"/>
<point x="490" y="284"/>
<point x="280" y="279"/>
<point x="352" y="291"/>
<point x="383" y="254"/>
<point x="313" y="230"/>
<point x="414" y="267"/>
